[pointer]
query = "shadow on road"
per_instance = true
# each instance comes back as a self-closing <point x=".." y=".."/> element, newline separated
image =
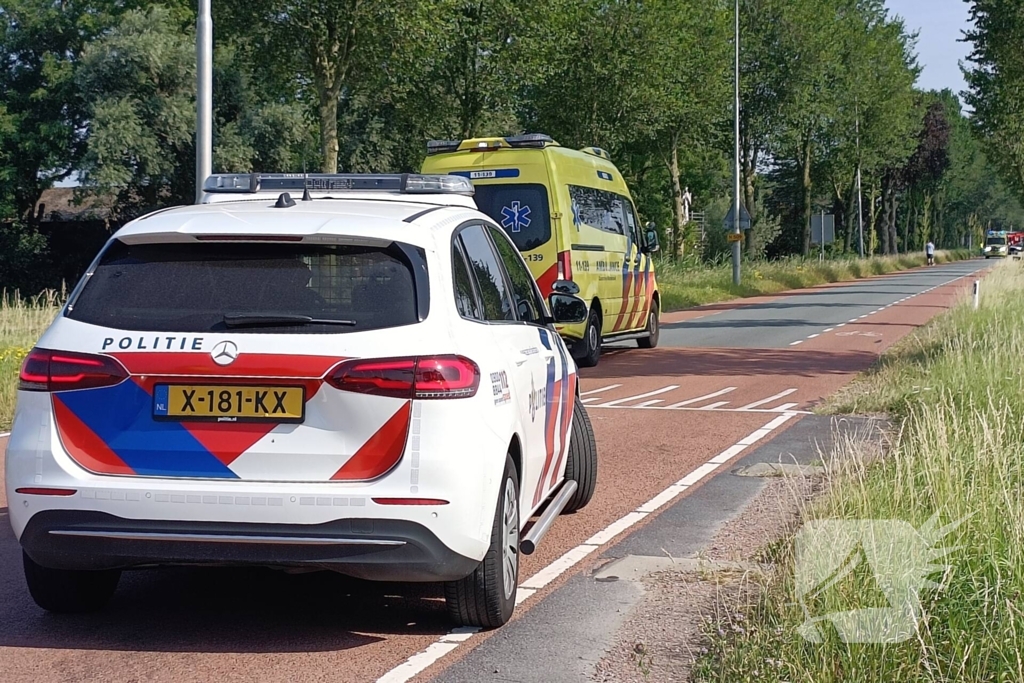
<point x="624" y="363"/>
<point x="220" y="610"/>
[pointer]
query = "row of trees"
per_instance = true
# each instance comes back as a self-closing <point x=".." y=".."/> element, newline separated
<point x="103" y="90"/>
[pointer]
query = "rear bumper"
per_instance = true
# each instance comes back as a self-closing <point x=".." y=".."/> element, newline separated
<point x="375" y="549"/>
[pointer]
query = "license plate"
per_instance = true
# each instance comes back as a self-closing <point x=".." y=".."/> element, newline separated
<point x="229" y="403"/>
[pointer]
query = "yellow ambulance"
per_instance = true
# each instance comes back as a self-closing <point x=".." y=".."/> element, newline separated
<point x="572" y="217"/>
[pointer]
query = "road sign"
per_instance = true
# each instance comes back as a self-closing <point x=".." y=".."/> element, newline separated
<point x="730" y="221"/>
<point x="829" y="223"/>
<point x="735" y="236"/>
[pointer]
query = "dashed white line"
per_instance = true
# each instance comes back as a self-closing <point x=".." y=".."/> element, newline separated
<point x="814" y="336"/>
<point x="699" y="399"/>
<point x="450" y="641"/>
<point x="601" y="390"/>
<point x="3" y="434"/>
<point x="663" y="390"/>
<point x="776" y="397"/>
<point x="831" y="329"/>
<point x="797" y="343"/>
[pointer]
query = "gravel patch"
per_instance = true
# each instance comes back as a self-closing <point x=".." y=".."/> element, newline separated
<point x="662" y="638"/>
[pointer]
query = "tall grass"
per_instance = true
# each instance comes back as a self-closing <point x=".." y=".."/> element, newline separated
<point x="21" y="323"/>
<point x="685" y="284"/>
<point x="957" y="391"/>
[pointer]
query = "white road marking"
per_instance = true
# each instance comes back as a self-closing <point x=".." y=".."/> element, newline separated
<point x="646" y="404"/>
<point x="776" y="397"/>
<point x="797" y="343"/>
<point x="591" y="399"/>
<point x="831" y="329"/>
<point x="814" y="336"/>
<point x="713" y="406"/>
<point x="838" y="326"/>
<point x="601" y="390"/>
<point x="3" y="434"/>
<point x="700" y="399"/>
<point x="785" y="407"/>
<point x="451" y="640"/>
<point x="663" y="390"/>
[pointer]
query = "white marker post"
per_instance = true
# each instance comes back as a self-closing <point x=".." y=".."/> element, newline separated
<point x="977" y="294"/>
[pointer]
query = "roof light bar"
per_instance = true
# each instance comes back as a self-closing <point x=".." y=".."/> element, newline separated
<point x="402" y="183"/>
<point x="529" y="140"/>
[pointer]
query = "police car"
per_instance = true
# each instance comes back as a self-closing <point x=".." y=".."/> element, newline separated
<point x="346" y="372"/>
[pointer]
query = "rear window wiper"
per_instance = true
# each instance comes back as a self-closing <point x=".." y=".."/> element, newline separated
<point x="275" y="319"/>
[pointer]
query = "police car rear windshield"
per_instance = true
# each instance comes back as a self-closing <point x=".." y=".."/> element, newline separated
<point x="252" y="288"/>
<point x="520" y="209"/>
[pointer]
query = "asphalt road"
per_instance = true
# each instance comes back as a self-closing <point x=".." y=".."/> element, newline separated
<point x="663" y="417"/>
<point x="787" y="319"/>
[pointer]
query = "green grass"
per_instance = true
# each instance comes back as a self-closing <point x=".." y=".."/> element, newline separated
<point x="956" y="390"/>
<point x="684" y="285"/>
<point x="21" y="323"/>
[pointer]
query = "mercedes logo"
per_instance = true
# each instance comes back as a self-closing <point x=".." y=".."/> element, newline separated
<point x="224" y="353"/>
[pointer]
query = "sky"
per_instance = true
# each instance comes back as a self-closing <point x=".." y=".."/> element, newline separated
<point x="941" y="24"/>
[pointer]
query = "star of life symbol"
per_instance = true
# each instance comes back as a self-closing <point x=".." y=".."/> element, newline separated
<point x="900" y="558"/>
<point x="577" y="220"/>
<point x="224" y="353"/>
<point x="515" y="217"/>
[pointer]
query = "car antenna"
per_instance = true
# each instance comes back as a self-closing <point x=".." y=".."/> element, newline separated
<point x="305" y="184"/>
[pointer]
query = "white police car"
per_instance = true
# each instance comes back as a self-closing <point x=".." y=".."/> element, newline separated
<point x="364" y="380"/>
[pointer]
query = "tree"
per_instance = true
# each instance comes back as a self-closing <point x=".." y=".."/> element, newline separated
<point x="996" y="82"/>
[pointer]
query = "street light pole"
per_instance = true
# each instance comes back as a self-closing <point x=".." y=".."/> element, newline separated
<point x="860" y="193"/>
<point x="204" y="96"/>
<point x="737" y="229"/>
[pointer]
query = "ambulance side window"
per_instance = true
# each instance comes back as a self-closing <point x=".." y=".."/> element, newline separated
<point x="632" y="223"/>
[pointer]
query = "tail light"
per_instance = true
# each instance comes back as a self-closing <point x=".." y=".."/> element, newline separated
<point x="425" y="377"/>
<point x="565" y="265"/>
<point x="46" y="370"/>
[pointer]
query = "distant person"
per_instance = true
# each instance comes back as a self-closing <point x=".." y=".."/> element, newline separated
<point x="929" y="249"/>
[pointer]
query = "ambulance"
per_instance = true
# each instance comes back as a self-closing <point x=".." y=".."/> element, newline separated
<point x="571" y="215"/>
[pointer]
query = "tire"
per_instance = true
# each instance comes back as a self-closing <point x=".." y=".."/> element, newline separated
<point x="487" y="597"/>
<point x="581" y="465"/>
<point x="69" y="591"/>
<point x="653" y="328"/>
<point x="590" y="345"/>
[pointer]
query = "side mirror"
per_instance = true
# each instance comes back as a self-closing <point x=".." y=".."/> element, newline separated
<point x="565" y="287"/>
<point x="651" y="238"/>
<point x="567" y="309"/>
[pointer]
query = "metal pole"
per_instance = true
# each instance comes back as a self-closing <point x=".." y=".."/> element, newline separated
<point x="204" y="96"/>
<point x="736" y="246"/>
<point x="860" y="194"/>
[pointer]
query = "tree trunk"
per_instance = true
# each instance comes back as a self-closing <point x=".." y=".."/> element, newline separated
<point x="328" y="114"/>
<point x="894" y="243"/>
<point x="678" y="216"/>
<point x="873" y="221"/>
<point x="886" y="208"/>
<point x="808" y="196"/>
<point x="748" y="169"/>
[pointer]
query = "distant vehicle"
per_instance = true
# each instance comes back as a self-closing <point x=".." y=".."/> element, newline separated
<point x="996" y="244"/>
<point x="571" y="215"/>
<point x="367" y="382"/>
<point x="1015" y="243"/>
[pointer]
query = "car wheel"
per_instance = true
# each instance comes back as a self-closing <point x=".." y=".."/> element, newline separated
<point x="653" y="328"/>
<point x="591" y="342"/>
<point x="66" y="590"/>
<point x="487" y="597"/>
<point x="581" y="465"/>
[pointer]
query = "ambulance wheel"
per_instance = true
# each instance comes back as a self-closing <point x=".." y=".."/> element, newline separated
<point x="653" y="329"/>
<point x="66" y="590"/>
<point x="487" y="597"/>
<point x="590" y="345"/>
<point x="581" y="467"/>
